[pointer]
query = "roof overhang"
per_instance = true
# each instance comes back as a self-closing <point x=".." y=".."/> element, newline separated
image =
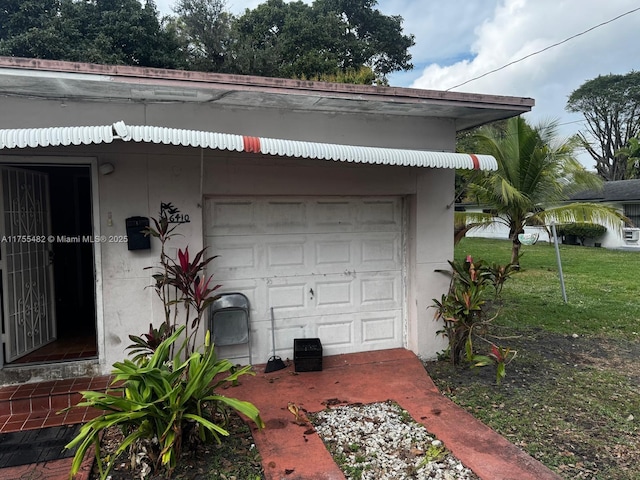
<point x="119" y="131"/>
<point x="51" y="79"/>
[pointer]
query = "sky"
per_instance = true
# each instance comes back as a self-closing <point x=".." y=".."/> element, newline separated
<point x="458" y="40"/>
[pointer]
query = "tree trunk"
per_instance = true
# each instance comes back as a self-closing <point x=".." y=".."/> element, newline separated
<point x="515" y="253"/>
<point x="514" y="230"/>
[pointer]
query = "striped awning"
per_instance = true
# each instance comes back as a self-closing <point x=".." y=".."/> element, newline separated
<point x="65" y="136"/>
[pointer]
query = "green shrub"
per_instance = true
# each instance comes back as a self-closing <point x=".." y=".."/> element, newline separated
<point x="581" y="231"/>
<point x="467" y="314"/>
<point x="166" y="394"/>
<point x="160" y="401"/>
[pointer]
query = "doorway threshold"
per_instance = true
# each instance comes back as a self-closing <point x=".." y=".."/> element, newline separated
<point x="11" y="374"/>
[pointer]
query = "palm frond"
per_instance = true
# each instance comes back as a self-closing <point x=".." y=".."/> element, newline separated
<point x="584" y="213"/>
<point x="467" y="221"/>
<point x="536" y="171"/>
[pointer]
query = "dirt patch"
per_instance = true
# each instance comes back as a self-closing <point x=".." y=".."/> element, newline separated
<point x="572" y="402"/>
<point x="235" y="458"/>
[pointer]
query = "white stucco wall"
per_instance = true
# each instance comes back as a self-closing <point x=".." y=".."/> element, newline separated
<point x="500" y="231"/>
<point x="432" y="242"/>
<point x="352" y="129"/>
<point x="146" y="175"/>
<point x="137" y="187"/>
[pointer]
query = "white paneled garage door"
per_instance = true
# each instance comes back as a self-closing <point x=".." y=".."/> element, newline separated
<point x="331" y="267"/>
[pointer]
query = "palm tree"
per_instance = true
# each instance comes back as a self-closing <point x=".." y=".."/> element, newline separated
<point x="536" y="176"/>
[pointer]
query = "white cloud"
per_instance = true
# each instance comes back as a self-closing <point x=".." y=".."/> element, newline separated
<point x="443" y="30"/>
<point x="520" y="27"/>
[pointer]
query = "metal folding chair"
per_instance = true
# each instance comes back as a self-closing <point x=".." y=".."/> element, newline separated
<point x="229" y="320"/>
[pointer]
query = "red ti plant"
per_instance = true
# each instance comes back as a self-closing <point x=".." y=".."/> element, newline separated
<point x="193" y="288"/>
<point x="182" y="286"/>
<point x="467" y="314"/>
<point x="501" y="356"/>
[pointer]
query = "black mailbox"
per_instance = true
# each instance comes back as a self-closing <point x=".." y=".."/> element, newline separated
<point x="136" y="239"/>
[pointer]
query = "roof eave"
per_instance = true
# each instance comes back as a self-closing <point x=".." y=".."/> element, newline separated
<point x="154" y="84"/>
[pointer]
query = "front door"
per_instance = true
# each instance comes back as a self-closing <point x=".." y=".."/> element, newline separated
<point x="28" y="312"/>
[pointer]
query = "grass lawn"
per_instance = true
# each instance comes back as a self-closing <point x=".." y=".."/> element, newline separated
<point x="571" y="397"/>
<point x="602" y="286"/>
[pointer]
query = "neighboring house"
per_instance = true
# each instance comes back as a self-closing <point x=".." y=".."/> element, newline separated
<point x="497" y="229"/>
<point x="330" y="203"/>
<point x="623" y="195"/>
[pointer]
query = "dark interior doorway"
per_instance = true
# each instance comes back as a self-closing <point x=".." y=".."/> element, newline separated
<point x="70" y="198"/>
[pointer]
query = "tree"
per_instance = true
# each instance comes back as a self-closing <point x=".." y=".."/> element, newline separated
<point x="330" y="40"/>
<point x="287" y="40"/>
<point x="27" y="28"/>
<point x="467" y="141"/>
<point x="611" y="106"/>
<point x="105" y="31"/>
<point x="205" y="28"/>
<point x="373" y="39"/>
<point x="325" y="39"/>
<point x="631" y="153"/>
<point x="536" y="176"/>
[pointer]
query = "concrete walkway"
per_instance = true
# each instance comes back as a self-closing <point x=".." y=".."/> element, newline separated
<point x="290" y="451"/>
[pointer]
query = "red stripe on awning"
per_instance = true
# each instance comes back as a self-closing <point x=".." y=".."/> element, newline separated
<point x="251" y="144"/>
<point x="476" y="162"/>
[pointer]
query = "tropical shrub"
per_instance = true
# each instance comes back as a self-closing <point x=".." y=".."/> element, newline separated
<point x="166" y="395"/>
<point x="147" y="343"/>
<point x="499" y="274"/>
<point x="161" y="402"/>
<point x="467" y="312"/>
<point x="182" y="286"/>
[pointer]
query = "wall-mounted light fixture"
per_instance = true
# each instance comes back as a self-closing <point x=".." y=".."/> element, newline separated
<point x="106" y="168"/>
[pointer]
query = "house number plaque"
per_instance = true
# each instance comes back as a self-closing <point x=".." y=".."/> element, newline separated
<point x="173" y="214"/>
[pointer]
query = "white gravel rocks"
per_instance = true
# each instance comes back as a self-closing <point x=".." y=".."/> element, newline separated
<point x="380" y="441"/>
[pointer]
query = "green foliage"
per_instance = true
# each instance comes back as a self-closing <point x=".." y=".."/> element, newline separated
<point x="329" y="40"/>
<point x="111" y="32"/>
<point x="499" y="274"/>
<point x="161" y="401"/>
<point x="147" y="343"/>
<point x="204" y="27"/>
<point x="326" y="39"/>
<point x="467" y="142"/>
<point x="369" y="37"/>
<point x="500" y="356"/>
<point x="166" y="394"/>
<point x="535" y="176"/>
<point x="611" y="107"/>
<point x="434" y="453"/>
<point x="467" y="314"/>
<point x="631" y="152"/>
<point x="362" y="76"/>
<point x="581" y="230"/>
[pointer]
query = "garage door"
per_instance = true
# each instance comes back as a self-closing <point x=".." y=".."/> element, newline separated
<point x="331" y="268"/>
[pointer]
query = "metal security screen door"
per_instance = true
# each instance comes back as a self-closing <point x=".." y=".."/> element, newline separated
<point x="27" y="270"/>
